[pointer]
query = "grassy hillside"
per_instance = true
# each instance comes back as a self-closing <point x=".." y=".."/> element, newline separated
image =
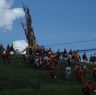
<point x="23" y="79"/>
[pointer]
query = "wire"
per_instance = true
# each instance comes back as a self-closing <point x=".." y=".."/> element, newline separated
<point x="86" y="50"/>
<point x="69" y="43"/>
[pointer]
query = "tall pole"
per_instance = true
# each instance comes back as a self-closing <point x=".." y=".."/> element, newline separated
<point x="27" y="26"/>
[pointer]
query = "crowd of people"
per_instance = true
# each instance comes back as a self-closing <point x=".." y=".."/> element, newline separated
<point x="5" y="53"/>
<point x="47" y="54"/>
<point x="48" y="59"/>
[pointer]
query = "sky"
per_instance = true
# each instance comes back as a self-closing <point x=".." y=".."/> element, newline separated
<point x="55" y="22"/>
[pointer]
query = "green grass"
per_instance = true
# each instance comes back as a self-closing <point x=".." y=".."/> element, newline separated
<point x="23" y="79"/>
<point x="45" y="90"/>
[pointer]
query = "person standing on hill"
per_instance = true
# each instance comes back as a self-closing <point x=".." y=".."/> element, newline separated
<point x="94" y="73"/>
<point x="79" y="73"/>
<point x="68" y="72"/>
<point x="84" y="57"/>
<point x="1" y="52"/>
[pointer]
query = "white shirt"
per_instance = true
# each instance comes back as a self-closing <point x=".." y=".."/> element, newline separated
<point x="68" y="69"/>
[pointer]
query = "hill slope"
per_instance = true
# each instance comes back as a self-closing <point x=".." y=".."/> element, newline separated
<point x="23" y="79"/>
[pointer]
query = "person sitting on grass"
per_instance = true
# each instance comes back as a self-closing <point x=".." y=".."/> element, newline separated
<point x="53" y="75"/>
<point x="88" y="88"/>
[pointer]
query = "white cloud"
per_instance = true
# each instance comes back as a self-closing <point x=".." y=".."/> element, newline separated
<point x="8" y="15"/>
<point x="20" y="44"/>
